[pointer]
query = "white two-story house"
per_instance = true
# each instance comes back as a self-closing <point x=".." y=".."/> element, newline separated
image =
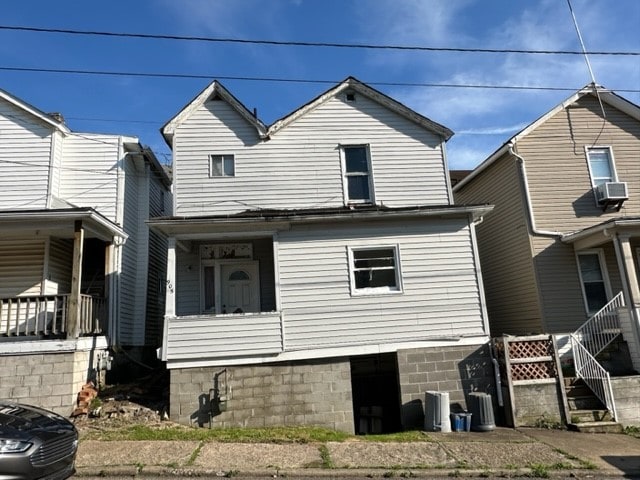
<point x="81" y="275"/>
<point x="318" y="270"/>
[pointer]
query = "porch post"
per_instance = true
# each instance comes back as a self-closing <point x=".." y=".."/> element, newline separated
<point x="630" y="327"/>
<point x="74" y="309"/>
<point x="170" y="299"/>
<point x="170" y="295"/>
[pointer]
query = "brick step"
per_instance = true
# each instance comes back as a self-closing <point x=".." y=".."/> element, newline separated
<point x="596" y="427"/>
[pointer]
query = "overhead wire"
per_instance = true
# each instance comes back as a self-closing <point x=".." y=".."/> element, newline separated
<point x="289" y="80"/>
<point x="369" y="46"/>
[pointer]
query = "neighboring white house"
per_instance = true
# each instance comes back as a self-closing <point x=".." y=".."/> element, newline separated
<point x="318" y="271"/>
<point x="75" y="253"/>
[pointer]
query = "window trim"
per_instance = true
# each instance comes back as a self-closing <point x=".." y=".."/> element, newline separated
<point x="603" y="270"/>
<point x="224" y="157"/>
<point x="369" y="291"/>
<point x="345" y="175"/>
<point x="612" y="163"/>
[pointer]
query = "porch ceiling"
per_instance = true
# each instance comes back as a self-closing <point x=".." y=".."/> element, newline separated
<point x="603" y="232"/>
<point x="58" y="223"/>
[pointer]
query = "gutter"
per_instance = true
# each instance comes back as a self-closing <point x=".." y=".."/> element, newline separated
<point x="527" y="193"/>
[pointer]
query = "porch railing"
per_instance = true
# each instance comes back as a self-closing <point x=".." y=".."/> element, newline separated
<point x="47" y="315"/>
<point x="602" y="328"/>
<point x="593" y="374"/>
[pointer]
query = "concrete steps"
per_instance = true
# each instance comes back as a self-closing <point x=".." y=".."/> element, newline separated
<point x="586" y="411"/>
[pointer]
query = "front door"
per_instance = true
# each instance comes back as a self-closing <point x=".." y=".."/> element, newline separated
<point x="240" y="287"/>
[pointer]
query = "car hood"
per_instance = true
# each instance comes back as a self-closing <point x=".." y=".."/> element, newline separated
<point x="22" y="421"/>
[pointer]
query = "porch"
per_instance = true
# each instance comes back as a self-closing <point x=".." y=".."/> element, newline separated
<point x="48" y="316"/>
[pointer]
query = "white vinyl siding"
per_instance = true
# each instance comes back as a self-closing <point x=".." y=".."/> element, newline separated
<point x="59" y="266"/>
<point x="25" y="154"/>
<point x="21" y="266"/>
<point x="299" y="166"/>
<point x="440" y="296"/>
<point x="89" y="174"/>
<point x="133" y="287"/>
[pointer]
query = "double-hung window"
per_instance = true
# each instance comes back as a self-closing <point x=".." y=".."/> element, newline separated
<point x="222" y="166"/>
<point x="356" y="161"/>
<point x="375" y="270"/>
<point x="601" y="165"/>
<point x="595" y="286"/>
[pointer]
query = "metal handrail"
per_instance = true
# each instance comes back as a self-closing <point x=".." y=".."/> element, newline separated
<point x="593" y="374"/>
<point x="602" y="328"/>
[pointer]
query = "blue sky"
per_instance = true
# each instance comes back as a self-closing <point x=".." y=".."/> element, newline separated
<point x="482" y="119"/>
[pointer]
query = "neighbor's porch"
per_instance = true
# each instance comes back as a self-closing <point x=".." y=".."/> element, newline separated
<point x="57" y="271"/>
<point x="608" y="257"/>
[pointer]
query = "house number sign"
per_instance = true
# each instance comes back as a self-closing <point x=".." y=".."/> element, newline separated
<point x="227" y="251"/>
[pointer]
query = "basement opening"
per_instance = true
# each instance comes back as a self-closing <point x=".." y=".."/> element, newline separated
<point x="376" y="393"/>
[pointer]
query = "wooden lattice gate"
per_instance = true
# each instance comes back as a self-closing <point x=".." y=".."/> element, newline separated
<point x="528" y="360"/>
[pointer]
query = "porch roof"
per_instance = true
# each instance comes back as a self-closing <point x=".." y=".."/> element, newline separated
<point x="59" y="223"/>
<point x="603" y="232"/>
<point x="264" y="222"/>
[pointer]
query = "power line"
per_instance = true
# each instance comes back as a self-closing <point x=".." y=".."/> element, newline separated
<point x="287" y="80"/>
<point x="304" y="44"/>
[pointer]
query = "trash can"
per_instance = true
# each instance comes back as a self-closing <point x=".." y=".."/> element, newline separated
<point x="482" y="418"/>
<point x="436" y="412"/>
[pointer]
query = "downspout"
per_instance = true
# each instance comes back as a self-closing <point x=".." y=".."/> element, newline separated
<point x="527" y="193"/>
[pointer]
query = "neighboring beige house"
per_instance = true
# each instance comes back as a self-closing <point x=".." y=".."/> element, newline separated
<point x="319" y="272"/>
<point x="80" y="272"/>
<point x="562" y="245"/>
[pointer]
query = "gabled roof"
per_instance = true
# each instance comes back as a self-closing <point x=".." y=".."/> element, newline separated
<point x="598" y="91"/>
<point x="215" y="89"/>
<point x="30" y="109"/>
<point x="350" y="83"/>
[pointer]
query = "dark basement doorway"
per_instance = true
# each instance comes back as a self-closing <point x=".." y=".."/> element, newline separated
<point x="376" y="393"/>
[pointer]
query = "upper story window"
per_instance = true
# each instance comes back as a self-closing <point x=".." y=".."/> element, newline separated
<point x="601" y="166"/>
<point x="358" y="182"/>
<point x="375" y="270"/>
<point x="222" y="166"/>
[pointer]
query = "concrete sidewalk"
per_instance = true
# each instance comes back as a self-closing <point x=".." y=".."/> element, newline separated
<point x="504" y="451"/>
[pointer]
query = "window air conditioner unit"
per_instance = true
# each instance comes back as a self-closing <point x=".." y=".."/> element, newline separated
<point x="612" y="192"/>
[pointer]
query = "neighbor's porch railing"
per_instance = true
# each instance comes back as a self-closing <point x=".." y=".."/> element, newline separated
<point x="588" y="341"/>
<point x="602" y="328"/>
<point x="594" y="375"/>
<point x="47" y="315"/>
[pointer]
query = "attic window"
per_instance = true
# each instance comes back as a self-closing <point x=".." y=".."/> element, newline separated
<point x="350" y="97"/>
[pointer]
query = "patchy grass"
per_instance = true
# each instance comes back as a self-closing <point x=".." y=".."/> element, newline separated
<point x="233" y="435"/>
<point x="632" y="431"/>
<point x="327" y="462"/>
<point x="408" y="436"/>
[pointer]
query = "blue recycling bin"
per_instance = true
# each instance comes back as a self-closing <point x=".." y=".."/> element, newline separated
<point x="461" y="422"/>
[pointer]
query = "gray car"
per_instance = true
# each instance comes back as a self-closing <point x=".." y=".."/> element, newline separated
<point x="35" y="443"/>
